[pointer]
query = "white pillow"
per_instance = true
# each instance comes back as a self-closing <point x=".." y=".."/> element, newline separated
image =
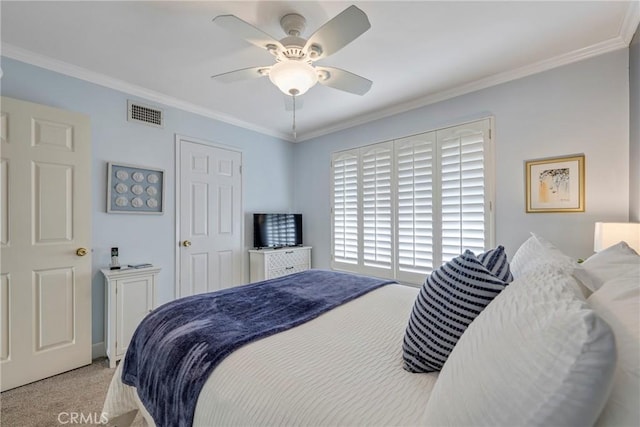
<point x="536" y="252"/>
<point x="618" y="303"/>
<point x="614" y="261"/>
<point x="537" y="355"/>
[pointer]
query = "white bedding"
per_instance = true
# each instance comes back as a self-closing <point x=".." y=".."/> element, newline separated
<point x="342" y="368"/>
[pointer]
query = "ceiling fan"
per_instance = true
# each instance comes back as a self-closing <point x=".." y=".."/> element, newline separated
<point x="294" y="71"/>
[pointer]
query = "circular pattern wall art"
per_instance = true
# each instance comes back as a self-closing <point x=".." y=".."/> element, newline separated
<point x="134" y="189"/>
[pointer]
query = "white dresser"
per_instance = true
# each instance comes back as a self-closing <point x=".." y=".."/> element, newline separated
<point x="271" y="263"/>
<point x="130" y="295"/>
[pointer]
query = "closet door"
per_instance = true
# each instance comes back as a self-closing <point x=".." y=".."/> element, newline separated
<point x="210" y="223"/>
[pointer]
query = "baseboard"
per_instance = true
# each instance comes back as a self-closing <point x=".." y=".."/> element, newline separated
<point x="98" y="350"/>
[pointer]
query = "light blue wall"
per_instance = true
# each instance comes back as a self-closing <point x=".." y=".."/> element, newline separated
<point x="149" y="238"/>
<point x="634" y="129"/>
<point x="578" y="108"/>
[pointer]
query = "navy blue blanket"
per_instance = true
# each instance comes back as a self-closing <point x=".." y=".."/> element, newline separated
<point x="178" y="345"/>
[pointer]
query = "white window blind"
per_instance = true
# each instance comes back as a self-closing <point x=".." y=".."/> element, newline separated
<point x="463" y="191"/>
<point x="415" y="206"/>
<point x="401" y="208"/>
<point x="345" y="207"/>
<point x="376" y="163"/>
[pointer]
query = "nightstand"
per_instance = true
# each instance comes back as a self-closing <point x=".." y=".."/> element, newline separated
<point x="130" y="295"/>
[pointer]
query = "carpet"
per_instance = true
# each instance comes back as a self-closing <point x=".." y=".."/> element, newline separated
<point x="72" y="398"/>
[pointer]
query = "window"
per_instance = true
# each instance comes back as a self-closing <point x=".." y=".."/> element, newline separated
<point x="401" y="208"/>
<point x="345" y="207"/>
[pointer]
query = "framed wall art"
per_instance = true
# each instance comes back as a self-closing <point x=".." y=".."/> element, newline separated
<point x="555" y="184"/>
<point x="134" y="189"/>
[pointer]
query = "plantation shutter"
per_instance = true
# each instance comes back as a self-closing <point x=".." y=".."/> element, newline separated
<point x="345" y="207"/>
<point x="402" y="208"/>
<point x="463" y="188"/>
<point x="377" y="219"/>
<point x="414" y="157"/>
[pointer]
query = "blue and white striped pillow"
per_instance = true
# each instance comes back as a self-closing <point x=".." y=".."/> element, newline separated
<point x="450" y="299"/>
<point x="496" y="262"/>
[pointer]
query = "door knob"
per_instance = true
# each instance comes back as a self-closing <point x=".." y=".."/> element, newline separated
<point x="186" y="243"/>
<point x="81" y="251"/>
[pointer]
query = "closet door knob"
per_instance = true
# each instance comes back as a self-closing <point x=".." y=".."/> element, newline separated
<point x="186" y="243"/>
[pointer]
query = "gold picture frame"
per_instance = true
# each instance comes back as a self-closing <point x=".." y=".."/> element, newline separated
<point x="555" y="184"/>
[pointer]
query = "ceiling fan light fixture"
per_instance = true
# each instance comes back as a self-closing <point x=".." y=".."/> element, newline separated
<point x="293" y="77"/>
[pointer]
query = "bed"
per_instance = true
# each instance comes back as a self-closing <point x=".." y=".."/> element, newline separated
<point x="345" y="366"/>
<point x="355" y="351"/>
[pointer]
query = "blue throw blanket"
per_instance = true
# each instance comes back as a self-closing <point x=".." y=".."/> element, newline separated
<point x="177" y="346"/>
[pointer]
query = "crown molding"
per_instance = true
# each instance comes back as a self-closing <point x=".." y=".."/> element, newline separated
<point x="628" y="27"/>
<point x="630" y="23"/>
<point x="67" y="69"/>
<point x="610" y="45"/>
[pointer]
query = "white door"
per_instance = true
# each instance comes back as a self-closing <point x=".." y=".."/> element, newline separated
<point x="210" y="241"/>
<point x="45" y="298"/>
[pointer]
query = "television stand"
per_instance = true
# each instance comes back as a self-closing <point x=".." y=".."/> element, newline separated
<point x="269" y="263"/>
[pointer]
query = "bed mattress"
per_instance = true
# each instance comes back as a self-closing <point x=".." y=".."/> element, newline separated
<point x="342" y="368"/>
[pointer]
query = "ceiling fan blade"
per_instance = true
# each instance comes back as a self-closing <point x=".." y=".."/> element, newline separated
<point x="242" y="74"/>
<point x="347" y="26"/>
<point x="344" y="80"/>
<point x="243" y="29"/>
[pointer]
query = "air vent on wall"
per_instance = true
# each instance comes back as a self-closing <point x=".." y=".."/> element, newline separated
<point x="137" y="112"/>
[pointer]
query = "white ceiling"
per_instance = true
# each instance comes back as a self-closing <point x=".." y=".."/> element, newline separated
<point x="416" y="52"/>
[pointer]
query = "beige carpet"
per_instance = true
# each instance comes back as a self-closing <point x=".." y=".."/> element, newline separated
<point x="54" y="401"/>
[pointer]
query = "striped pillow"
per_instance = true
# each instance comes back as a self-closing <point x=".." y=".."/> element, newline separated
<point x="451" y="297"/>
<point x="496" y="262"/>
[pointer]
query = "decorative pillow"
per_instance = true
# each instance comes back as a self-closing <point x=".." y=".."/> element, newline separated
<point x="618" y="303"/>
<point x="496" y="262"/>
<point x="536" y="356"/>
<point x="451" y="297"/>
<point x="614" y="261"/>
<point x="536" y="252"/>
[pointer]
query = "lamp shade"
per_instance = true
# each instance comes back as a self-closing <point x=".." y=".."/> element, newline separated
<point x="293" y="77"/>
<point x="610" y="233"/>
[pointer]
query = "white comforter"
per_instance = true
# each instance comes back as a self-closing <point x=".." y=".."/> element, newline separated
<point x="342" y="368"/>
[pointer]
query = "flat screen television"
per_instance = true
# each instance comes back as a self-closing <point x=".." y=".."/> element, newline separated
<point x="275" y="230"/>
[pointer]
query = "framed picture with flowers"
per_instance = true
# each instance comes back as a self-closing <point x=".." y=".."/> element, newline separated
<point x="555" y="184"/>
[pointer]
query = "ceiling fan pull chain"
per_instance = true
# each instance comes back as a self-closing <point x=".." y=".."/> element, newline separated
<point x="293" y="128"/>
